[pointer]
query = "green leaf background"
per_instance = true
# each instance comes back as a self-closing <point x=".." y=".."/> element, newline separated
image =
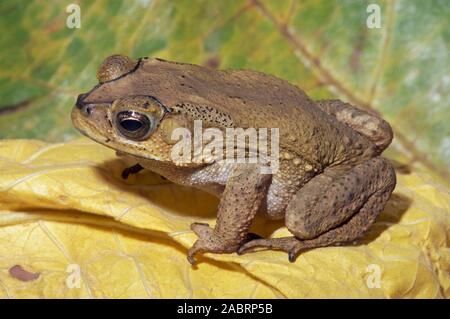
<point x="401" y="70"/>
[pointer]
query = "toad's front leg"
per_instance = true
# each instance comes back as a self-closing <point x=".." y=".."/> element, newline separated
<point x="245" y="190"/>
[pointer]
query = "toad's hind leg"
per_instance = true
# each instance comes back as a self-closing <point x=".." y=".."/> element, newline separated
<point x="367" y="124"/>
<point x="334" y="208"/>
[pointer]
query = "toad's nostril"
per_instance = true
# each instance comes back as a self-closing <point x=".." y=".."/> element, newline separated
<point x="80" y="100"/>
<point x="87" y="109"/>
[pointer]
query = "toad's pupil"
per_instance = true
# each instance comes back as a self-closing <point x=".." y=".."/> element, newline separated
<point x="131" y="125"/>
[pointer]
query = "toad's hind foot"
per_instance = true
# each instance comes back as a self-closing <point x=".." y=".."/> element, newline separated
<point x="291" y="245"/>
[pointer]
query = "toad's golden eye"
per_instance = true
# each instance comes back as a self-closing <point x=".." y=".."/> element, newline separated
<point x="134" y="125"/>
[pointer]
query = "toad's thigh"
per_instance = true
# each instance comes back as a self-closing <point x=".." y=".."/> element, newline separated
<point x="330" y="199"/>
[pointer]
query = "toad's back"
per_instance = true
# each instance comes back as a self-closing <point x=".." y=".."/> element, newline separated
<point x="248" y="98"/>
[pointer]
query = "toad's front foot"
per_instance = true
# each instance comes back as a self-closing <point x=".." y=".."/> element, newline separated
<point x="207" y="242"/>
<point x="211" y="242"/>
<point x="131" y="170"/>
<point x="243" y="195"/>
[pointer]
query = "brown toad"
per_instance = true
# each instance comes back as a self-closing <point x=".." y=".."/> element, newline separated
<point x="331" y="183"/>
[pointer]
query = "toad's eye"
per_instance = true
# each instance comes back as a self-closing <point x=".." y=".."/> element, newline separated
<point x="133" y="125"/>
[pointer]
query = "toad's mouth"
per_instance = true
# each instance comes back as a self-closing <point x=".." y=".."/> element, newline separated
<point x="86" y="127"/>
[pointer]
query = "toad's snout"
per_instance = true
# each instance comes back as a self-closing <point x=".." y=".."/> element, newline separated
<point x="85" y="108"/>
<point x="80" y="100"/>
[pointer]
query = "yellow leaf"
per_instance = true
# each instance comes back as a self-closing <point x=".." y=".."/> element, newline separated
<point x="71" y="227"/>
